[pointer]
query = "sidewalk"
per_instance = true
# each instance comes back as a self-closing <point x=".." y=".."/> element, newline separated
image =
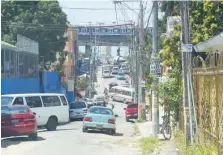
<point x="167" y="147"/>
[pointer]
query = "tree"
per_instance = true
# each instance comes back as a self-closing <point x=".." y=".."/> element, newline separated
<point x="83" y="82"/>
<point x="42" y="21"/>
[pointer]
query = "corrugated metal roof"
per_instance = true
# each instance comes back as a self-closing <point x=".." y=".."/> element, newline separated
<point x="7" y="45"/>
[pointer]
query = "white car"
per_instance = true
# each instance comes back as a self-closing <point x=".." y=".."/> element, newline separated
<point x="106" y="74"/>
<point x="115" y="70"/>
<point x="78" y="110"/>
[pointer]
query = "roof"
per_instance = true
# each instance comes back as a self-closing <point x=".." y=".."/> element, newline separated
<point x="124" y="88"/>
<point x="7" y="45"/>
<point x="31" y="94"/>
<point x="211" y="44"/>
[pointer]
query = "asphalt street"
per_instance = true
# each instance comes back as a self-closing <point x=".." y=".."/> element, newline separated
<point x="69" y="139"/>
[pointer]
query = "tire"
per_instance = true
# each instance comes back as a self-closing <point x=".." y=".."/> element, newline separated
<point x="167" y="129"/>
<point x="51" y="124"/>
<point x="112" y="131"/>
<point x="33" y="136"/>
<point x="127" y="120"/>
<point x="84" y="129"/>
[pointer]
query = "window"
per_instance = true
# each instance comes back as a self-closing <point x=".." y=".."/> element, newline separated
<point x="102" y="111"/>
<point x="18" y="101"/>
<point x="77" y="105"/>
<point x="50" y="101"/>
<point x="5" y="110"/>
<point x="133" y="106"/>
<point x="19" y="110"/>
<point x="63" y="99"/>
<point x="6" y="100"/>
<point x="34" y="101"/>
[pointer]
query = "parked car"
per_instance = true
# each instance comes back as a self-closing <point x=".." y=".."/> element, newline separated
<point x="131" y="111"/>
<point x="126" y="71"/>
<point x="99" y="118"/>
<point x="18" y="120"/>
<point x="78" y="110"/>
<point x="50" y="108"/>
<point x="115" y="70"/>
<point x="120" y="76"/>
<point x="106" y="74"/>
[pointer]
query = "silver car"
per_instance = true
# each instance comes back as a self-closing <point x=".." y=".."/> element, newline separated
<point x="78" y="110"/>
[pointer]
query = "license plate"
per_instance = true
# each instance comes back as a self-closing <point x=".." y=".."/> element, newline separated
<point x="99" y="126"/>
<point x="15" y="121"/>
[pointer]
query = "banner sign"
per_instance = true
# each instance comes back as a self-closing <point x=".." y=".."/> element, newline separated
<point x="104" y="31"/>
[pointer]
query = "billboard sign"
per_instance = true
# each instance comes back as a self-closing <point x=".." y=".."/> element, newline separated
<point x="105" y="30"/>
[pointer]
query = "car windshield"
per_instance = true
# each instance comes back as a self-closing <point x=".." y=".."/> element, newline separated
<point x="6" y="100"/>
<point x="101" y="111"/>
<point x="14" y="110"/>
<point x="120" y="73"/>
<point x="77" y="105"/>
<point x="132" y="106"/>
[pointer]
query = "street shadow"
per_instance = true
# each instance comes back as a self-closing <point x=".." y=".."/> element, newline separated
<point x="8" y="141"/>
<point x="58" y="130"/>
<point x="104" y="132"/>
<point x="132" y="121"/>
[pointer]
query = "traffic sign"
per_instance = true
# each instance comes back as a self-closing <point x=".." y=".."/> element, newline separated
<point x="187" y="47"/>
<point x="155" y="66"/>
<point x="142" y="84"/>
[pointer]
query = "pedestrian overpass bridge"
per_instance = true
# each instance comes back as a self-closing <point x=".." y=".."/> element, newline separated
<point x="118" y="35"/>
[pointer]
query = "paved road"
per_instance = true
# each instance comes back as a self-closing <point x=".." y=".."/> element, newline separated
<point x="69" y="139"/>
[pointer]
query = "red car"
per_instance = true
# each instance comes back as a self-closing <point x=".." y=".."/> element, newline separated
<point x="131" y="111"/>
<point x="18" y="120"/>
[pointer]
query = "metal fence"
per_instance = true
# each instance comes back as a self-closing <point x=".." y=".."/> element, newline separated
<point x="16" y="63"/>
<point x="208" y="96"/>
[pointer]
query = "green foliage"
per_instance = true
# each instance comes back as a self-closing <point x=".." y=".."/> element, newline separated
<point x="83" y="82"/>
<point x="206" y="20"/>
<point x="42" y="21"/>
<point x="204" y="149"/>
<point x="172" y="90"/>
<point x="148" y="145"/>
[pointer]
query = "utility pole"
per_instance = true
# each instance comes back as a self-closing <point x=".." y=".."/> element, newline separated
<point x="90" y="58"/>
<point x="74" y="58"/>
<point x="141" y="100"/>
<point x="155" y="69"/>
<point x="186" y="59"/>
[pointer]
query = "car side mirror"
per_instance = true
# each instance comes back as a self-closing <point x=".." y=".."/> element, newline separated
<point x="124" y="108"/>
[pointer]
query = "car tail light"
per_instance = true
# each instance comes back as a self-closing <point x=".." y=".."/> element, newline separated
<point x="87" y="119"/>
<point x="31" y="118"/>
<point x="112" y="121"/>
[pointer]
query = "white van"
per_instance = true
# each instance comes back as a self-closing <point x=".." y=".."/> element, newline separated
<point x="122" y="94"/>
<point x="50" y="109"/>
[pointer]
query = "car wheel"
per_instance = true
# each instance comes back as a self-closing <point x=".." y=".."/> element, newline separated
<point x="33" y="136"/>
<point x="127" y="120"/>
<point x="112" y="131"/>
<point x="84" y="129"/>
<point x="51" y="124"/>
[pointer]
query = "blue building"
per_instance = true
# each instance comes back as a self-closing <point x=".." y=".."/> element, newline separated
<point x="20" y="70"/>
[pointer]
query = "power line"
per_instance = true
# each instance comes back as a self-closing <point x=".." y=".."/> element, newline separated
<point x="67" y="8"/>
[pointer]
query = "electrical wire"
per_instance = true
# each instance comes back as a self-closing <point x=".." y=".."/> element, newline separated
<point x="91" y="9"/>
